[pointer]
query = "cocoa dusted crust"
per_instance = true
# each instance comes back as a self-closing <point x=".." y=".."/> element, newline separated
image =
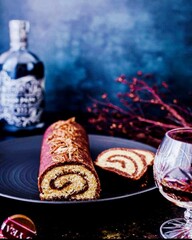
<point x="66" y="170"/>
<point x="127" y="162"/>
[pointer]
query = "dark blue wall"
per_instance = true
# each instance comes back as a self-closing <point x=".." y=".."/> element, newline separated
<point x="86" y="44"/>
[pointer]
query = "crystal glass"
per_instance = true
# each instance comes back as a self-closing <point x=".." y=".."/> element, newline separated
<point x="173" y="176"/>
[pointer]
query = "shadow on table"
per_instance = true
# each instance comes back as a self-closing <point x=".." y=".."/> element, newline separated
<point x="132" y="217"/>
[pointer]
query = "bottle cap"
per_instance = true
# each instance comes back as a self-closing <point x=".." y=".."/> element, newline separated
<point x="18" y="30"/>
<point x="18" y="226"/>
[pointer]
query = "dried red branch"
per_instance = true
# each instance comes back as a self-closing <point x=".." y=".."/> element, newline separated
<point x="140" y="111"/>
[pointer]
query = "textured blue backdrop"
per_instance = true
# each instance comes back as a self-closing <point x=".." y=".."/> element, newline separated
<point x="86" y="44"/>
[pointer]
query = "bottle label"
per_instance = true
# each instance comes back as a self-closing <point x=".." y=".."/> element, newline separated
<point x="21" y="100"/>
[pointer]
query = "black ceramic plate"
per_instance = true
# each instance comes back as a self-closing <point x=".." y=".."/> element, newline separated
<point x="19" y="164"/>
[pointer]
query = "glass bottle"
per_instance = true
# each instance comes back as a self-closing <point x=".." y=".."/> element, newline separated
<point x="21" y="82"/>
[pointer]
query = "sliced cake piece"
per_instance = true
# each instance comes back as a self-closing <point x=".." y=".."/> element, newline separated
<point x="127" y="162"/>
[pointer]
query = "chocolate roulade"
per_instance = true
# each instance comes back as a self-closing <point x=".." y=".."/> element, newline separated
<point x="127" y="162"/>
<point x="66" y="170"/>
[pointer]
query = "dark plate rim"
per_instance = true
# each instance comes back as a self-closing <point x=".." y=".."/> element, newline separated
<point x="100" y="200"/>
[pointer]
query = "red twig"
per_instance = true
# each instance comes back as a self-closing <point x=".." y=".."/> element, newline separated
<point x="136" y="117"/>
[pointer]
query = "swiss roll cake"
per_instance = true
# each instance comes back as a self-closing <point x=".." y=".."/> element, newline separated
<point x="127" y="162"/>
<point x="66" y="170"/>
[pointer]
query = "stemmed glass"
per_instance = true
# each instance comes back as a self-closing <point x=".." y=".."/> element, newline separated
<point x="173" y="176"/>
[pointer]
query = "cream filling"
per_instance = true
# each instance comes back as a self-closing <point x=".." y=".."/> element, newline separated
<point x="75" y="183"/>
<point x="149" y="156"/>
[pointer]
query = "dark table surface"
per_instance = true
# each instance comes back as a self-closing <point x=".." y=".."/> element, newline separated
<point x="136" y="217"/>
